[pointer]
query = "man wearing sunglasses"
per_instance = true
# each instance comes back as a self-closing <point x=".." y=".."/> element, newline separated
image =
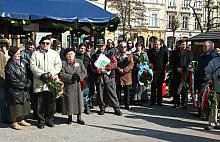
<point x="44" y="63"/>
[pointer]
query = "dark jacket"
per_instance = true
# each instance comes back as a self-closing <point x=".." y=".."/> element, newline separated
<point x="174" y="60"/>
<point x="203" y="61"/>
<point x="158" y="59"/>
<point x="86" y="60"/>
<point x="104" y="77"/>
<point x="17" y="83"/>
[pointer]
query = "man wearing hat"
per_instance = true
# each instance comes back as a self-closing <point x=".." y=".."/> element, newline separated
<point x="44" y="63"/>
<point x="4" y="45"/>
<point x="105" y="79"/>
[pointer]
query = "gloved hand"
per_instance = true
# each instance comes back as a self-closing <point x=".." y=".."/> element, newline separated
<point x="75" y="77"/>
<point x="45" y="76"/>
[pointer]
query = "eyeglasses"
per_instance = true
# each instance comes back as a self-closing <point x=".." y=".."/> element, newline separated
<point x="47" y="43"/>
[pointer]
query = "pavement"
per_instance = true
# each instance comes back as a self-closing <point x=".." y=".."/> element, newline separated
<point x="139" y="124"/>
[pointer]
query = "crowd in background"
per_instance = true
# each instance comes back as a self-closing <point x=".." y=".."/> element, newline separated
<point x="25" y="74"/>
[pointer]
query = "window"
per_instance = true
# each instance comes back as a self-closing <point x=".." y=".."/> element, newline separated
<point x="170" y="20"/>
<point x="153" y="1"/>
<point x="197" y="27"/>
<point x="154" y="19"/>
<point x="139" y="22"/>
<point x="186" y="3"/>
<point x="172" y="3"/>
<point x="185" y="22"/>
<point x="198" y="4"/>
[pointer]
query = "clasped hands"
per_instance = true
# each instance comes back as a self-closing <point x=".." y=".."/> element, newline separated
<point x="45" y="76"/>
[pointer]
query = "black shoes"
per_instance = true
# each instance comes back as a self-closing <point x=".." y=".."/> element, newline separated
<point x="50" y="124"/>
<point x="151" y="104"/>
<point x="40" y="126"/>
<point x="209" y="128"/>
<point x="127" y="107"/>
<point x="118" y="112"/>
<point x="80" y="122"/>
<point x="101" y="112"/>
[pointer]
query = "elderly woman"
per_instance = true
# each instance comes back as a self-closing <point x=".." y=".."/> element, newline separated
<point x="17" y="85"/>
<point x="72" y="73"/>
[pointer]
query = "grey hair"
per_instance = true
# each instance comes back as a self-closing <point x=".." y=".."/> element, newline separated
<point x="211" y="44"/>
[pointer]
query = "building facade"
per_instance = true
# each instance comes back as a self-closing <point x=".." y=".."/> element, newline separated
<point x="146" y="18"/>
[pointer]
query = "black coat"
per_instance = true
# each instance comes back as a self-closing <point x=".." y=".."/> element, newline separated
<point x="17" y="83"/>
<point x="159" y="60"/>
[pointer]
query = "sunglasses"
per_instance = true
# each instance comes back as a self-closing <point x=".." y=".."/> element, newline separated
<point x="47" y="43"/>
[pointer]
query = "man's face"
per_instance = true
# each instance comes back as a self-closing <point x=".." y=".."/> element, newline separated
<point x="45" y="45"/>
<point x="206" y="48"/>
<point x="182" y="45"/>
<point x="101" y="48"/>
<point x="30" y="46"/>
<point x="123" y="47"/>
<point x="110" y="43"/>
<point x="157" y="45"/>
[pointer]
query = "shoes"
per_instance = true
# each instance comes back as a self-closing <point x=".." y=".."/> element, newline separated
<point x="101" y="112"/>
<point x="24" y="123"/>
<point x="127" y="107"/>
<point x="209" y="128"/>
<point x="50" y="124"/>
<point x="160" y="104"/>
<point x="16" y="126"/>
<point x="80" y="122"/>
<point x="216" y="127"/>
<point x="118" y="112"/>
<point x="151" y="104"/>
<point x="176" y="106"/>
<point x="184" y="107"/>
<point x="69" y="121"/>
<point x="40" y="126"/>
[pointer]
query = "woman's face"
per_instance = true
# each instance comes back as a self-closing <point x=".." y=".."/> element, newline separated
<point x="70" y="56"/>
<point x="138" y="47"/>
<point x="82" y="49"/>
<point x="17" y="55"/>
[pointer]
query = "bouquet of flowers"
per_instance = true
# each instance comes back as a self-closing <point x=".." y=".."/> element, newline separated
<point x="56" y="86"/>
<point x="145" y="73"/>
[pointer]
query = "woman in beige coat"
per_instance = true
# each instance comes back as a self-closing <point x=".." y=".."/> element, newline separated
<point x="72" y="73"/>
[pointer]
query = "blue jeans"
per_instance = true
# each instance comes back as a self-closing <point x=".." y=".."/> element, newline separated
<point x="3" y="110"/>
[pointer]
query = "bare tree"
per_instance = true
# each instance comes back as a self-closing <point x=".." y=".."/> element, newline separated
<point x="210" y="8"/>
<point x="196" y="15"/>
<point x="174" y="25"/>
<point x="128" y="10"/>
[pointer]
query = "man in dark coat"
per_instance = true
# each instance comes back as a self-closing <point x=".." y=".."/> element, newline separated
<point x="158" y="58"/>
<point x="105" y="79"/>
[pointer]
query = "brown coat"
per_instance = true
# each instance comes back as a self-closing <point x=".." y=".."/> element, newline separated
<point x="126" y="63"/>
<point x="72" y="102"/>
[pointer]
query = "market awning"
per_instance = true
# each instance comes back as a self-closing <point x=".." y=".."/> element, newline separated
<point x="61" y="10"/>
<point x="211" y="35"/>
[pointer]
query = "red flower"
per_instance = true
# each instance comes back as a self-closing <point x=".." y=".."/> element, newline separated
<point x="138" y="68"/>
<point x="145" y="73"/>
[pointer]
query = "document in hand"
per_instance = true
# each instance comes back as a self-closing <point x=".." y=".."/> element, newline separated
<point x="102" y="61"/>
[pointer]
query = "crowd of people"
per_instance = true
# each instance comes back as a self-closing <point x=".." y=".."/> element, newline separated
<point x="25" y="75"/>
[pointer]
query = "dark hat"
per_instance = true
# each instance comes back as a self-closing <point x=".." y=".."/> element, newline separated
<point x="101" y="42"/>
<point x="68" y="50"/>
<point x="44" y="38"/>
<point x="12" y="50"/>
